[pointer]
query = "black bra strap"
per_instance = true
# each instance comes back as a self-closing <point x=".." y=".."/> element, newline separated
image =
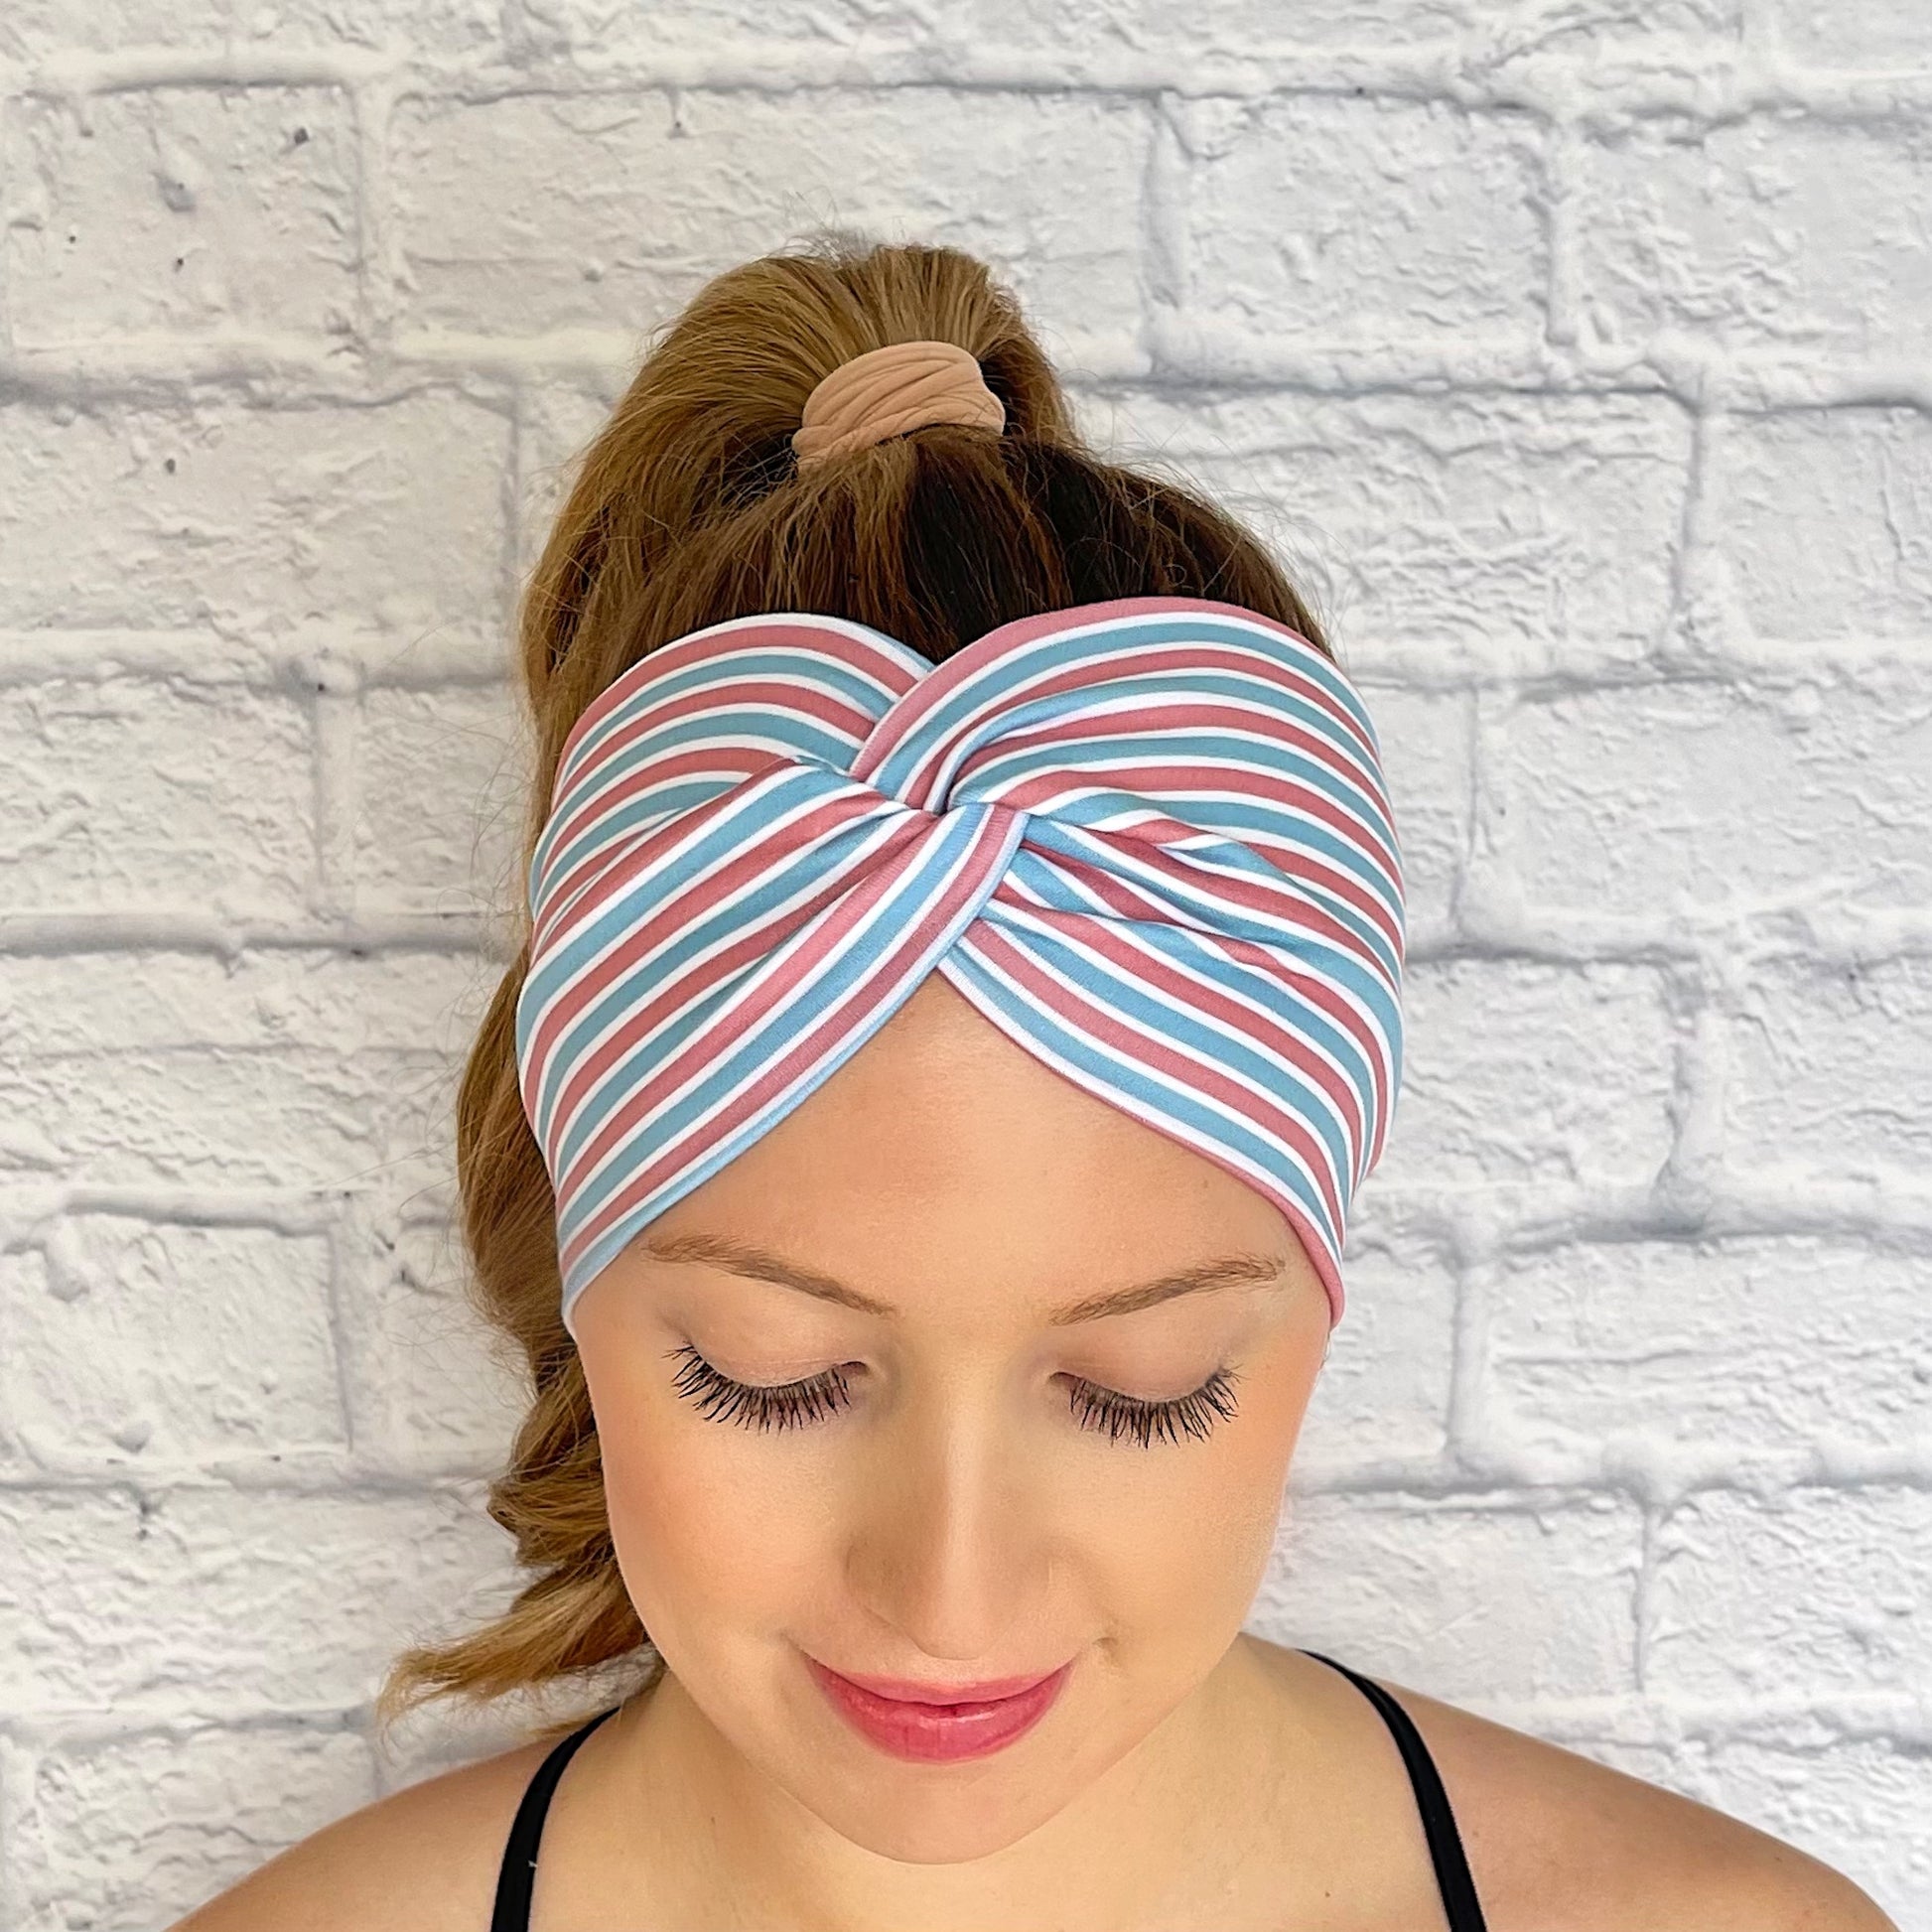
<point x="517" y="1879"/>
<point x="1452" y="1877"/>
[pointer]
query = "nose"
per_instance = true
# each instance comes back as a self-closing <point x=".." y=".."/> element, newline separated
<point x="947" y="1545"/>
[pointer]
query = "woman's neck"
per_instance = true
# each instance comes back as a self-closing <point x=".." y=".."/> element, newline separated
<point x="670" y="1817"/>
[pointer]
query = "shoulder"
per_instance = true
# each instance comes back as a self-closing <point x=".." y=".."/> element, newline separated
<point x="422" y="1859"/>
<point x="1558" y="1843"/>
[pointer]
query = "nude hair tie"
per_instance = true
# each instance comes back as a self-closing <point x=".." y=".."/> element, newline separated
<point x="888" y="391"/>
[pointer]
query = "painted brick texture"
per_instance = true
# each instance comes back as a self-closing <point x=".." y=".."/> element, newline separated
<point x="1575" y="353"/>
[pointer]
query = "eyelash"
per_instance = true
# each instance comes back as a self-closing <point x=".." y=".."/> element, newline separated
<point x="792" y="1405"/>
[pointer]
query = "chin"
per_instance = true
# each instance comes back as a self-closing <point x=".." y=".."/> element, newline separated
<point x="941" y="1815"/>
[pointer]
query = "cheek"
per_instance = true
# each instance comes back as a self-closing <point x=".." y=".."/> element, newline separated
<point x="1189" y="1528"/>
<point x="713" y="1529"/>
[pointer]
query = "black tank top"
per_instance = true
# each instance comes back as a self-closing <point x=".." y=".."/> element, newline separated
<point x="516" y="1880"/>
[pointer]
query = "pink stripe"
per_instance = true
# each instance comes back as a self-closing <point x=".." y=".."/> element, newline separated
<point x="1135" y="730"/>
<point x="1282" y="903"/>
<point x="762" y="694"/>
<point x="967" y="661"/>
<point x="644" y="778"/>
<point x="1157" y="973"/>
<point x="807" y="1052"/>
<point x="745" y="868"/>
<point x="1107" y="1028"/>
<point x="845" y="915"/>
<point x="1137" y="963"/>
<point x="1151" y="714"/>
<point x="857" y="653"/>
<point x="1158" y="830"/>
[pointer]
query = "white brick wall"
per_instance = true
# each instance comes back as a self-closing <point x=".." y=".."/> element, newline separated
<point x="1580" y="347"/>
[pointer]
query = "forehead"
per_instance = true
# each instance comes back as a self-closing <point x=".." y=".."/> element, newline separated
<point x="944" y="1153"/>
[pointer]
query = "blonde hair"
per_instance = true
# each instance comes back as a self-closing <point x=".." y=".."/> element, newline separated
<point x="687" y="508"/>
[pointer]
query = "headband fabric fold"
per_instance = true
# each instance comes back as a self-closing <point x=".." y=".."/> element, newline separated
<point x="1149" y="839"/>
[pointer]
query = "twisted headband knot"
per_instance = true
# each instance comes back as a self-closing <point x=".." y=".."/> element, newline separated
<point x="888" y="391"/>
<point x="1149" y="839"/>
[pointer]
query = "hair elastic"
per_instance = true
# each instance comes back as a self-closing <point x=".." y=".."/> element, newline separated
<point x="888" y="391"/>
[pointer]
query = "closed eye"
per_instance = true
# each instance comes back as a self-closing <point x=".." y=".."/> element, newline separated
<point x="799" y="1405"/>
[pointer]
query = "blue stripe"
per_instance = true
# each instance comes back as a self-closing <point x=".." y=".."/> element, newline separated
<point x="972" y="709"/>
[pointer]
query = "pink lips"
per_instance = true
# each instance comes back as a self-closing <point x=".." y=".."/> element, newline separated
<point x="935" y="1724"/>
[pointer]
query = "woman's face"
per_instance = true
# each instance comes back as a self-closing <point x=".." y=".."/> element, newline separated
<point x="979" y="1501"/>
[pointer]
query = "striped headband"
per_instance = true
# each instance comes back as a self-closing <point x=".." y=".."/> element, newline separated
<point x="1148" y="839"/>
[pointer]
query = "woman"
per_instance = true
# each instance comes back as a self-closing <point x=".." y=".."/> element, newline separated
<point x="911" y="1150"/>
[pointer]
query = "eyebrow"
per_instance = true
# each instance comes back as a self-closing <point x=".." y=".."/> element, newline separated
<point x="740" y="1258"/>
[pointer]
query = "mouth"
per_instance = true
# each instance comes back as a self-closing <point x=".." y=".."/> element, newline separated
<point x="940" y="1724"/>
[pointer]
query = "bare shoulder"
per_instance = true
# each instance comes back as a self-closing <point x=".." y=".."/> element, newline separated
<point x="1558" y="1843"/>
<point x="422" y="1859"/>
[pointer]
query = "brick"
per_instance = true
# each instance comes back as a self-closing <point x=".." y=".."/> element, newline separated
<point x="128" y="1344"/>
<point x="129" y="792"/>
<point x="1620" y="26"/>
<point x="388" y="516"/>
<point x="1473" y="1602"/>
<point x="1094" y="35"/>
<point x="1383" y="1393"/>
<point x="1761" y="234"/>
<point x="1813" y="1591"/>
<point x="297" y="1070"/>
<point x="442" y="783"/>
<point x="1090" y="32"/>
<point x="1822" y="521"/>
<point x="1098" y="32"/>
<point x="169" y="209"/>
<point x="1507" y="530"/>
<point x="533" y="213"/>
<point x="448" y="28"/>
<point x="430" y="1394"/>
<point x="1832" y="1068"/>
<point x="1647" y="803"/>
<point x="1648" y="1346"/>
<point x="600" y="26"/>
<point x="1532" y="1074"/>
<point x="225" y="1603"/>
<point x="260" y="1120"/>
<point x="34" y="28"/>
<point x="290" y="1000"/>
<point x="42" y="27"/>
<point x="133" y="1831"/>
<point x="1330" y="219"/>
<point x="1425" y="738"/>
<point x="1857" y="1803"/>
<point x="1854" y="34"/>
